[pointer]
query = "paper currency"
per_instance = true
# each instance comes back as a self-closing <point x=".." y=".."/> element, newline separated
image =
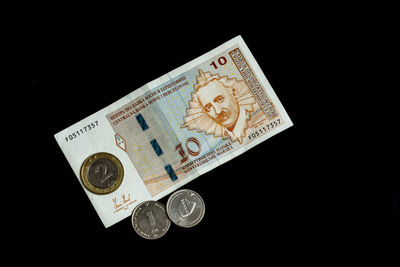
<point x="177" y="127"/>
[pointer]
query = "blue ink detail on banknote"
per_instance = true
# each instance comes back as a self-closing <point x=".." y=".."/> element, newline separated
<point x="171" y="173"/>
<point x="142" y="122"/>
<point x="156" y="147"/>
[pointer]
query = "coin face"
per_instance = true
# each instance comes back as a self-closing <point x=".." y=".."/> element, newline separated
<point x="102" y="173"/>
<point x="150" y="220"/>
<point x="185" y="208"/>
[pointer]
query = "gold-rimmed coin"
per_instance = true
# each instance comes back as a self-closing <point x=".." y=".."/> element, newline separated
<point x="102" y="173"/>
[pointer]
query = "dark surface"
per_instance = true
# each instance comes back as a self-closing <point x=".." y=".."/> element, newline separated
<point x="323" y="192"/>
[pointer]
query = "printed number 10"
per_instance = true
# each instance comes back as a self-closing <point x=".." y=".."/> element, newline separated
<point x="221" y="61"/>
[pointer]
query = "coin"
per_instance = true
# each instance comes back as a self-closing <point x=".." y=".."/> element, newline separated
<point x="150" y="220"/>
<point x="185" y="208"/>
<point x="102" y="173"/>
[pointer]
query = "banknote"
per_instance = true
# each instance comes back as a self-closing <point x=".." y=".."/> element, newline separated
<point x="174" y="129"/>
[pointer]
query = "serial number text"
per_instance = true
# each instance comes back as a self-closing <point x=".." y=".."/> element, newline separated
<point x="81" y="131"/>
<point x="264" y="129"/>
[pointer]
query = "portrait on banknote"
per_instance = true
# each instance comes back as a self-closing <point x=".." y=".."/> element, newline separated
<point x="220" y="106"/>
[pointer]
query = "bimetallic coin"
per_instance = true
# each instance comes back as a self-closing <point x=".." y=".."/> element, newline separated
<point x="150" y="220"/>
<point x="102" y="173"/>
<point x="185" y="208"/>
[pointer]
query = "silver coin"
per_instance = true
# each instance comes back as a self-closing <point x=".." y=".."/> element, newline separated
<point x="150" y="220"/>
<point x="185" y="208"/>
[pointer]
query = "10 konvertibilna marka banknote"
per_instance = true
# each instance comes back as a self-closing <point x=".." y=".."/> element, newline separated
<point x="173" y="129"/>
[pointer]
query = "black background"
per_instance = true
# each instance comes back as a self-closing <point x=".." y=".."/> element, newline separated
<point x="322" y="192"/>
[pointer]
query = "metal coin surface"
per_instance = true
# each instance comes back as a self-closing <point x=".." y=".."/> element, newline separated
<point x="150" y="220"/>
<point x="185" y="208"/>
<point x="102" y="173"/>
